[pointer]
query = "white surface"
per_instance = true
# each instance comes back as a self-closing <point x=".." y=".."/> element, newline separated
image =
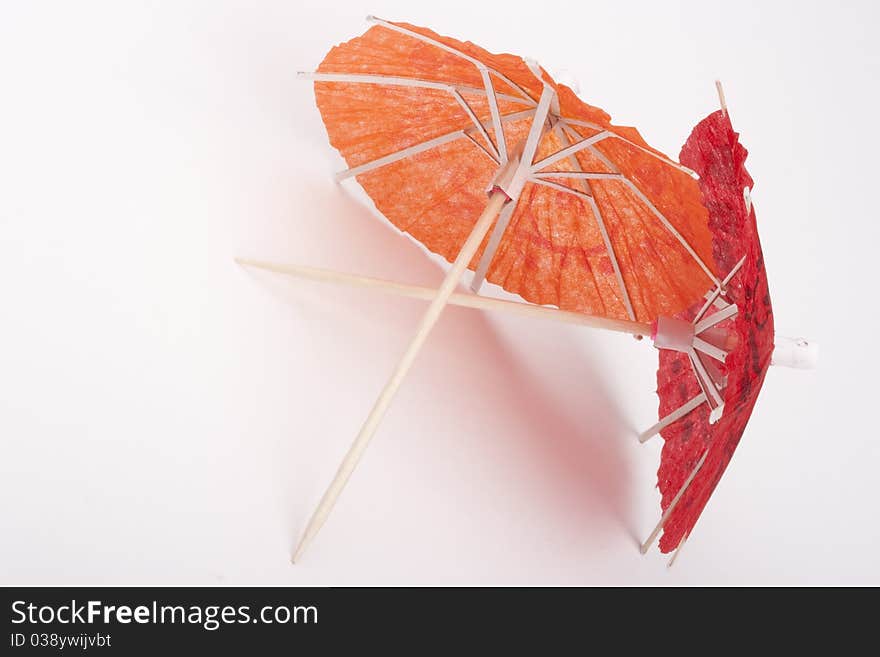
<point x="167" y="417"/>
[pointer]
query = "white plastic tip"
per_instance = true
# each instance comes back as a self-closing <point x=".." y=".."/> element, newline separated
<point x="799" y="353"/>
<point x="716" y="414"/>
<point x="371" y="19"/>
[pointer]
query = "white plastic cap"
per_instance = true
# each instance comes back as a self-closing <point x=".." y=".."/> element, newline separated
<point x="800" y="353"/>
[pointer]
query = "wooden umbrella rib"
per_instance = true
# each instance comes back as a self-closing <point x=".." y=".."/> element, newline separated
<point x="665" y="160"/>
<point x="476" y="122"/>
<point x="594" y="139"/>
<point x="600" y="222"/>
<point x="709" y="349"/>
<point x="674" y="503"/>
<point x="569" y="150"/>
<point x="579" y="175"/>
<point x="712" y="297"/>
<point x="495" y="113"/>
<point x="715" y="318"/>
<point x="704" y="379"/>
<point x="677" y="551"/>
<point x="442" y="46"/>
<point x="568" y="122"/>
<point x="492" y="246"/>
<point x="483" y="149"/>
<point x="560" y="188"/>
<point x="672" y="229"/>
<point x="536" y="130"/>
<point x="398" y="81"/>
<point x="560" y="132"/>
<point x="422" y="146"/>
<point x="609" y="247"/>
<point x="401" y="154"/>
<point x="674" y="416"/>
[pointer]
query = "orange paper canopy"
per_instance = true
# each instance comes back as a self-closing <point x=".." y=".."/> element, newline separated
<point x="424" y="122"/>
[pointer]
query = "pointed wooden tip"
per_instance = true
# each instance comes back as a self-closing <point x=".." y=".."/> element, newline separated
<point x="671" y="561"/>
<point x="300" y="549"/>
<point x="721" y="98"/>
<point x="248" y="262"/>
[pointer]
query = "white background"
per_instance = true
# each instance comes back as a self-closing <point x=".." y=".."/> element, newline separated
<point x="168" y="417"/>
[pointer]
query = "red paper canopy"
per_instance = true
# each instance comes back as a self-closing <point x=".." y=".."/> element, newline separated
<point x="714" y="152"/>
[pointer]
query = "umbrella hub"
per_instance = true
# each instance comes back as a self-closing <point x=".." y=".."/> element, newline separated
<point x="511" y="176"/>
<point x="706" y="345"/>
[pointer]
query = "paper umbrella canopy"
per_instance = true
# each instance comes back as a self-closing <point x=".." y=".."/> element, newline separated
<point x="489" y="163"/>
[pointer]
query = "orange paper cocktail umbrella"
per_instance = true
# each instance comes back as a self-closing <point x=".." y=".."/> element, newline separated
<point x="596" y="222"/>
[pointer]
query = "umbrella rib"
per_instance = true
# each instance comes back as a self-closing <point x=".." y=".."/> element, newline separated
<point x="401" y="154"/>
<point x="671" y="229"/>
<point x="712" y="295"/>
<point x="569" y="150"/>
<point x="588" y="143"/>
<point x="709" y="349"/>
<point x="715" y="318"/>
<point x="477" y="123"/>
<point x="665" y="160"/>
<point x="704" y="379"/>
<point x="676" y="415"/>
<point x="597" y="214"/>
<point x="593" y="150"/>
<point x="580" y="175"/>
<point x="610" y="249"/>
<point x="647" y="151"/>
<point x="561" y="188"/>
<point x="536" y="130"/>
<point x="491" y="247"/>
<point x="421" y="146"/>
<point x="677" y="550"/>
<point x="495" y="113"/>
<point x="442" y="46"/>
<point x="572" y="159"/>
<point x="482" y="148"/>
<point x="583" y="124"/>
<point x="673" y="504"/>
<point x="397" y="81"/>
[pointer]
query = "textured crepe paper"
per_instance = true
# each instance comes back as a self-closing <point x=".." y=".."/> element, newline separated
<point x="714" y="152"/>
<point x="553" y="252"/>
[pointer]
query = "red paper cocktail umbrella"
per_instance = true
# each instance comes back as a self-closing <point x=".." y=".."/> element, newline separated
<point x="706" y="398"/>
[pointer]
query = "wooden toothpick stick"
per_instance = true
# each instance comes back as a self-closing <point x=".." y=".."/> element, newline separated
<point x="456" y="298"/>
<point x="441" y="298"/>
<point x="721" y="96"/>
